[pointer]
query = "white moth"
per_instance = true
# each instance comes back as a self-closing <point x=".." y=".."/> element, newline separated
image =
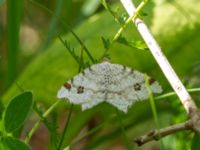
<point x="113" y="83"/>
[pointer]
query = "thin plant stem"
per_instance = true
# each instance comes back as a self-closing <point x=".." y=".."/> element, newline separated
<point x="117" y="35"/>
<point x="70" y="51"/>
<point x="55" y="104"/>
<point x="125" y="138"/>
<point x="108" y="8"/>
<point x="54" y="21"/>
<point x="138" y="9"/>
<point x="95" y="129"/>
<point x="90" y="132"/>
<point x="174" y="93"/>
<point x="19" y="87"/>
<point x="37" y="124"/>
<point x="153" y="107"/>
<point x="65" y="128"/>
<point x="70" y="111"/>
<point x="14" y="12"/>
<point x="70" y="30"/>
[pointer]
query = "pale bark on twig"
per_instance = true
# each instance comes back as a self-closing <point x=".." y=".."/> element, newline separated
<point x="162" y="61"/>
<point x="184" y="96"/>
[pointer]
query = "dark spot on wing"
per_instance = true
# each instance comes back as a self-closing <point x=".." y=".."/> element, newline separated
<point x="103" y="91"/>
<point x="80" y="89"/>
<point x="124" y="68"/>
<point x="83" y="72"/>
<point x="151" y="81"/>
<point x="90" y="69"/>
<point x="137" y="87"/>
<point x="67" y="86"/>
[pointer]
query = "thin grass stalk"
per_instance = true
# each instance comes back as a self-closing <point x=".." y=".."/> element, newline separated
<point x="14" y="11"/>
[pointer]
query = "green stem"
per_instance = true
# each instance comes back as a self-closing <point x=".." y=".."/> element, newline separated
<point x="70" y="111"/>
<point x="173" y="93"/>
<point x="70" y="30"/>
<point x="69" y="50"/>
<point x="90" y="132"/>
<point x="83" y="46"/>
<point x="14" y="10"/>
<point x="37" y="124"/>
<point x="153" y="107"/>
<point x="65" y="128"/>
<point x="133" y="17"/>
<point x="123" y="131"/>
<point x="108" y="8"/>
<point x="54" y="21"/>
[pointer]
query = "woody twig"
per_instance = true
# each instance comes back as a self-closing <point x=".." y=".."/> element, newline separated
<point x="158" y="134"/>
<point x="185" y="98"/>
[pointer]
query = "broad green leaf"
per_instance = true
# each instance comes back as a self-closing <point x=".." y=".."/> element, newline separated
<point x="17" y="111"/>
<point x="195" y="142"/>
<point x="15" y="144"/>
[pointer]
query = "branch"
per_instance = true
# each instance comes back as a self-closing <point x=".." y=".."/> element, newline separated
<point x="158" y="134"/>
<point x="165" y="66"/>
<point x="162" y="61"/>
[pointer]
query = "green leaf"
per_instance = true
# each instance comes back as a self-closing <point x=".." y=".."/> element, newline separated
<point x="120" y="17"/>
<point x="15" y="144"/>
<point x="134" y="44"/>
<point x="195" y="142"/>
<point x="106" y="43"/>
<point x="17" y="111"/>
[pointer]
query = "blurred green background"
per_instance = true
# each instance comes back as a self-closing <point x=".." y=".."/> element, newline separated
<point x="33" y="58"/>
